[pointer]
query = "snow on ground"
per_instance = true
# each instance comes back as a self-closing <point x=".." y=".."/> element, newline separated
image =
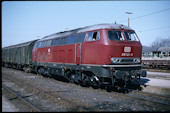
<point x="7" y="106"/>
<point x="156" y="82"/>
<point x="158" y="73"/>
<point x="158" y="79"/>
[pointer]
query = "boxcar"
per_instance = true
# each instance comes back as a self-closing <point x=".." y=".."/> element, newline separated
<point x="18" y="56"/>
<point x="103" y="54"/>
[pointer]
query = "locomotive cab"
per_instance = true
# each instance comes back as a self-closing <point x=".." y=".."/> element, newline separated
<point x="126" y="47"/>
<point x="123" y="51"/>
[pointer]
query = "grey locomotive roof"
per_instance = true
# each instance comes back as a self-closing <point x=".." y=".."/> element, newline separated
<point x="20" y="45"/>
<point x="87" y="28"/>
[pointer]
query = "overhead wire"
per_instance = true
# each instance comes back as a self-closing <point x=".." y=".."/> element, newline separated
<point x="149" y="15"/>
<point x="155" y="29"/>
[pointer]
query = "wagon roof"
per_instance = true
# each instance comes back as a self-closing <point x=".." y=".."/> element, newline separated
<point x="85" y="29"/>
<point x="164" y="49"/>
<point x="20" y="45"/>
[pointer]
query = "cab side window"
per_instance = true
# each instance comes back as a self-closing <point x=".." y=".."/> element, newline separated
<point x="93" y="36"/>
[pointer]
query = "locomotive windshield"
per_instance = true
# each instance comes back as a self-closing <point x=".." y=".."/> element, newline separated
<point x="131" y="36"/>
<point x="118" y="35"/>
<point x="115" y="35"/>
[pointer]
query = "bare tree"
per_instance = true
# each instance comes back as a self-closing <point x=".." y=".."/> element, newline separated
<point x="159" y="42"/>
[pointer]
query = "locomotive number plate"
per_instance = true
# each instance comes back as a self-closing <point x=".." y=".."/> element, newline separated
<point x="127" y="54"/>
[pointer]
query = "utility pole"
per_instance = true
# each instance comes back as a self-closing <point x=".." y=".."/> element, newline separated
<point x="128" y="18"/>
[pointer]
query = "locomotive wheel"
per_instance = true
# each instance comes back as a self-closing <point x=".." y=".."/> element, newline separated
<point x="119" y="84"/>
<point x="72" y="78"/>
<point x="94" y="83"/>
<point x="43" y="72"/>
<point x="85" y="80"/>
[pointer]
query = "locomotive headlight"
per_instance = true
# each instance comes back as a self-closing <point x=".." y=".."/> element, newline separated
<point x="136" y="60"/>
<point x="115" y="60"/>
<point x="123" y="60"/>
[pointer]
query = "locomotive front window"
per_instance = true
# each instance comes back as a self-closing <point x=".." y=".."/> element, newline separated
<point x="131" y="36"/>
<point x="115" y="35"/>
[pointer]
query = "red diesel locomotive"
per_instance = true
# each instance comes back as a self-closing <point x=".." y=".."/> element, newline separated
<point x="103" y="54"/>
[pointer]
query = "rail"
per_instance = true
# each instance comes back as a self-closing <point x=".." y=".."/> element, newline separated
<point x="28" y="103"/>
<point x="56" y="98"/>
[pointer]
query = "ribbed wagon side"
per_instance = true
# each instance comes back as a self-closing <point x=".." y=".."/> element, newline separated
<point x="18" y="56"/>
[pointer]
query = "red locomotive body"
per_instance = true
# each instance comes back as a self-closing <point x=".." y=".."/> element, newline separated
<point x="95" y="55"/>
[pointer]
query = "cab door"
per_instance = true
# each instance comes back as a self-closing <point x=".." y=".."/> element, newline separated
<point x="78" y="53"/>
<point x="91" y="49"/>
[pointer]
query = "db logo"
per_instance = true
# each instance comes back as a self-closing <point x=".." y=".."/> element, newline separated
<point x="127" y="49"/>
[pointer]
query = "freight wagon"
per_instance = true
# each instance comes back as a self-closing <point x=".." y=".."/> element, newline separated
<point x="18" y="56"/>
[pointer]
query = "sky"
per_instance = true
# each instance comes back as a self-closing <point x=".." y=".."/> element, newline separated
<point x="24" y="21"/>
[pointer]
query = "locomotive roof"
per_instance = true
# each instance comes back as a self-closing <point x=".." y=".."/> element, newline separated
<point x="20" y="45"/>
<point x="85" y="29"/>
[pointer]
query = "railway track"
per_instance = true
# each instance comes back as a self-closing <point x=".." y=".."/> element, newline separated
<point x="145" y="96"/>
<point x="58" y="98"/>
<point x="27" y="103"/>
<point x="80" y="105"/>
<point x="155" y="98"/>
<point x="157" y="69"/>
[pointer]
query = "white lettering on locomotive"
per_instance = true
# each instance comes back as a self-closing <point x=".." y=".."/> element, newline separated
<point x="48" y="50"/>
<point x="127" y="54"/>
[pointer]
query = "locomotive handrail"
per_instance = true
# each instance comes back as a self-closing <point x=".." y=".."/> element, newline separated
<point x="138" y="65"/>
